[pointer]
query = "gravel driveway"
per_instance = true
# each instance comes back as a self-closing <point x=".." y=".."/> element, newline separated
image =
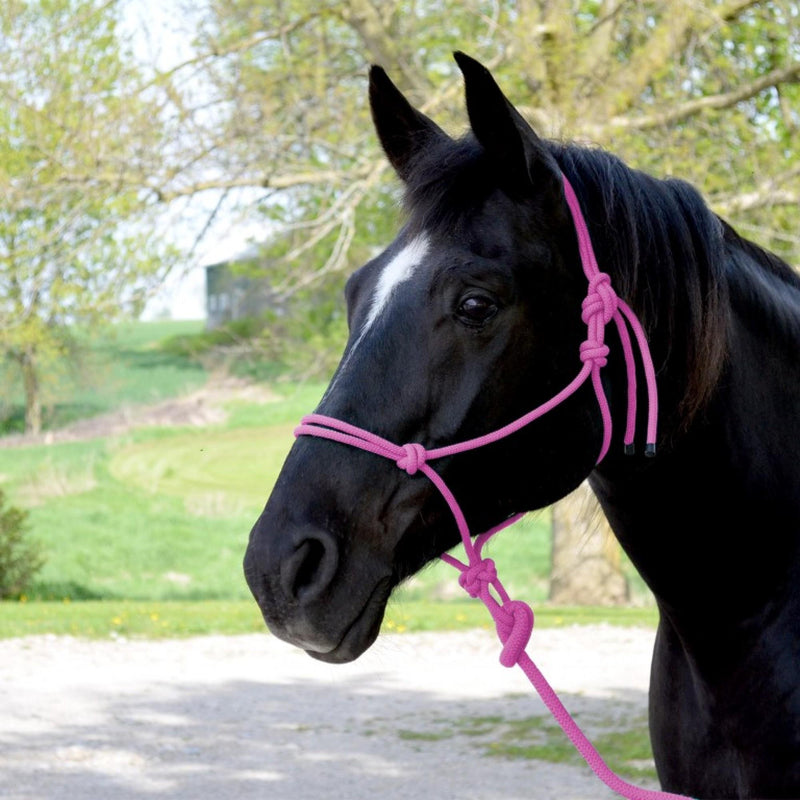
<point x="246" y="717"/>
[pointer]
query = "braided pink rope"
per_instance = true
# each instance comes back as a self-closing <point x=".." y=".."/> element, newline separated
<point x="513" y="618"/>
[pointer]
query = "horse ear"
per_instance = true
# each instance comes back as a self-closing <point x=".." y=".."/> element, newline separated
<point x="403" y="131"/>
<point x="521" y="156"/>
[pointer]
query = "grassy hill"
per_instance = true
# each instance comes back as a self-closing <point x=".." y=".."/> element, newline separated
<point x="162" y="514"/>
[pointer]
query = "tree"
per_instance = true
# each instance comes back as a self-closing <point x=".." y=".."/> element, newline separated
<point x="661" y="83"/>
<point x="704" y="91"/>
<point x="585" y="561"/>
<point x="77" y="243"/>
<point x="282" y="119"/>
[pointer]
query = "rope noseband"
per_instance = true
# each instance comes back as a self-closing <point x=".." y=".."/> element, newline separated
<point x="513" y="618"/>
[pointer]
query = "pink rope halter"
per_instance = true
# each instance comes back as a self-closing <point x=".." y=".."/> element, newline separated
<point x="514" y="618"/>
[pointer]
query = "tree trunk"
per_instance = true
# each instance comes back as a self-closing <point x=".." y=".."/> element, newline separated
<point x="33" y="397"/>
<point x="585" y="567"/>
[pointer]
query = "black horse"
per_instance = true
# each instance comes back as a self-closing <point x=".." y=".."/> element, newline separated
<point x="471" y="318"/>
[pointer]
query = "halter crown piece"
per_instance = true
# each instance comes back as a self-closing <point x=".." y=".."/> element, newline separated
<point x="514" y="618"/>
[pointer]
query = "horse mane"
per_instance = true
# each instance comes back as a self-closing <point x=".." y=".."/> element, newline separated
<point x="668" y="254"/>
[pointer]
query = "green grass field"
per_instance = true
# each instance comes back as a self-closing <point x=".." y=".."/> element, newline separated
<point x="144" y="533"/>
<point x="162" y="619"/>
<point x="167" y="517"/>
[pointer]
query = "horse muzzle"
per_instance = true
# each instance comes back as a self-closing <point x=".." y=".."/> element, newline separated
<point x="310" y="595"/>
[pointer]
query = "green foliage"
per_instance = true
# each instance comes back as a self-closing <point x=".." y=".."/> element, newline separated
<point x="248" y="347"/>
<point x="92" y="142"/>
<point x="302" y="340"/>
<point x="20" y="559"/>
<point x="204" y="343"/>
<point x="705" y="92"/>
<point x="77" y="241"/>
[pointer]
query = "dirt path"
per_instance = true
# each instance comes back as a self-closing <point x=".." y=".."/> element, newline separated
<point x="247" y="717"/>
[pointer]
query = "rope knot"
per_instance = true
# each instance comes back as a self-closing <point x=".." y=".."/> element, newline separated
<point x="597" y="310"/>
<point x="601" y="299"/>
<point x="413" y="457"/>
<point x="514" y="623"/>
<point x="477" y="575"/>
<point x="594" y="352"/>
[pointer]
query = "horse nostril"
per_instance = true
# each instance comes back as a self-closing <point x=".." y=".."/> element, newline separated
<point x="308" y="571"/>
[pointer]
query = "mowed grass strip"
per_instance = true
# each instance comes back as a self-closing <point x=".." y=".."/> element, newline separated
<point x="97" y="619"/>
<point x="166" y="516"/>
<point x="170" y="619"/>
<point x="158" y="514"/>
<point x="214" y="471"/>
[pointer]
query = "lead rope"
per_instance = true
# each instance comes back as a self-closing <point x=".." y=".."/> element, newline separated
<point x="514" y="619"/>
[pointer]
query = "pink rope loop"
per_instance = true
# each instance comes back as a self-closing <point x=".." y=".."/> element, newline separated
<point x="594" y="353"/>
<point x="478" y="576"/>
<point x="514" y="622"/>
<point x="414" y="456"/>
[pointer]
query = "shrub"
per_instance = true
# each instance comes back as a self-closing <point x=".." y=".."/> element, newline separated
<point x="20" y="559"/>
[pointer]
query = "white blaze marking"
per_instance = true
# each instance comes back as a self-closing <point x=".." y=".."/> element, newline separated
<point x="398" y="270"/>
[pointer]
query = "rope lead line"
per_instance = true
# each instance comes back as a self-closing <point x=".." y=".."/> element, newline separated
<point x="514" y="619"/>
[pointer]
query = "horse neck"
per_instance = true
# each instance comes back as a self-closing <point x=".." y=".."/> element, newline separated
<point x="713" y="522"/>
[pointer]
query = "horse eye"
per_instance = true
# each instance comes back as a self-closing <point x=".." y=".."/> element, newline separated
<point x="476" y="309"/>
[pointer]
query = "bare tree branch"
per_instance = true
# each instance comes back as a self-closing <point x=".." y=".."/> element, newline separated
<point x="734" y="10"/>
<point x="713" y="101"/>
<point x="367" y="22"/>
<point x="217" y="50"/>
<point x="776" y="190"/>
<point x="679" y="21"/>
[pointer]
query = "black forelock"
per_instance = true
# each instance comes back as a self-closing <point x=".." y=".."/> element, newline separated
<point x="448" y="181"/>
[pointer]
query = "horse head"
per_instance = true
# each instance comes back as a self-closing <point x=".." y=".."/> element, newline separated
<point x="468" y="319"/>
